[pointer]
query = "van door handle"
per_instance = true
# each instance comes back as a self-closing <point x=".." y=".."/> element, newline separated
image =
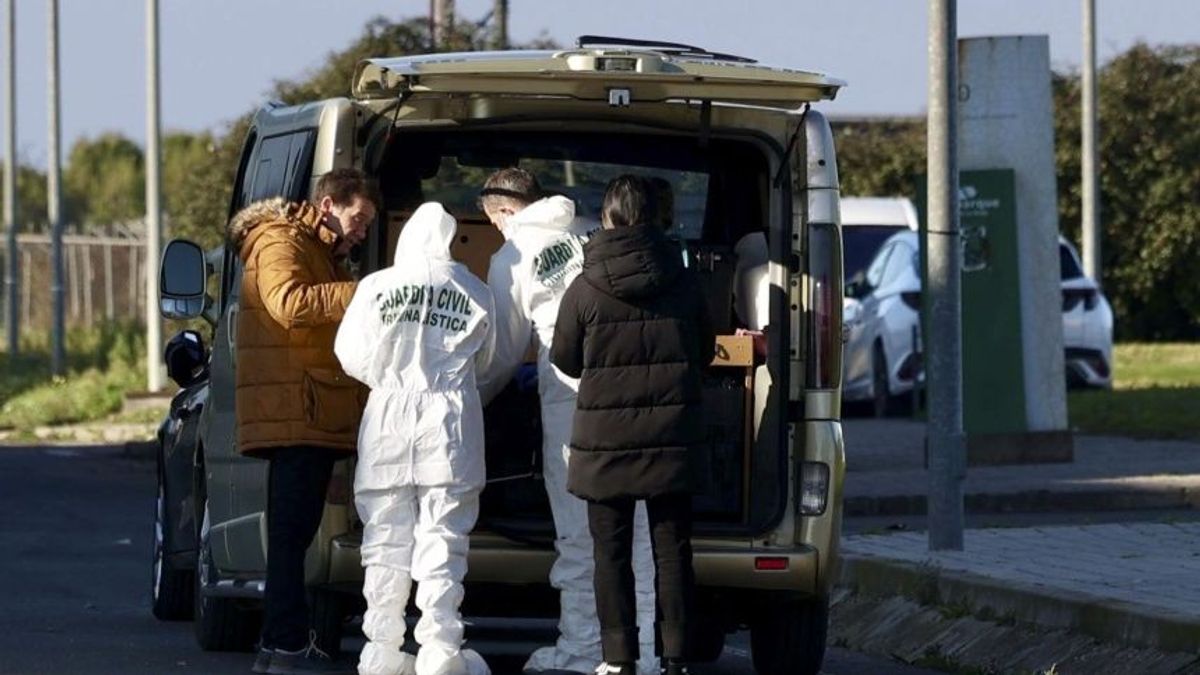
<point x="231" y="332"/>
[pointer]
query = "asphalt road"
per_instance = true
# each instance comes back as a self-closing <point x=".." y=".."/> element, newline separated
<point x="75" y="536"/>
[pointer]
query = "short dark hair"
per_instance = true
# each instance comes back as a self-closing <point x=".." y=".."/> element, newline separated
<point x="343" y="185"/>
<point x="513" y="184"/>
<point x="630" y="200"/>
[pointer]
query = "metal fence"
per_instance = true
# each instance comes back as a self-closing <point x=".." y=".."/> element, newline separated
<point x="103" y="278"/>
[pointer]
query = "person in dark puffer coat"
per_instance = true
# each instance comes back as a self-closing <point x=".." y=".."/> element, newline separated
<point x="634" y="328"/>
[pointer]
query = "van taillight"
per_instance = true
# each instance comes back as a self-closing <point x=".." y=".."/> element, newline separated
<point x="912" y="299"/>
<point x="824" y="369"/>
<point x="770" y="564"/>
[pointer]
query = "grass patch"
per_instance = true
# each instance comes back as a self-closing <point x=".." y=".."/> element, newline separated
<point x="149" y="415"/>
<point x="1155" y="394"/>
<point x="102" y="364"/>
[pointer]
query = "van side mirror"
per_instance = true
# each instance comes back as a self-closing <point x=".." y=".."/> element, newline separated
<point x="182" y="281"/>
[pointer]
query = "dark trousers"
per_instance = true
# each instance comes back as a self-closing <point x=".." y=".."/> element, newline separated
<point x="611" y="523"/>
<point x="297" y="481"/>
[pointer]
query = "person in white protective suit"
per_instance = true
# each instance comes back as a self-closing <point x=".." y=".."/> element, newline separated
<point x="415" y="334"/>
<point x="542" y="254"/>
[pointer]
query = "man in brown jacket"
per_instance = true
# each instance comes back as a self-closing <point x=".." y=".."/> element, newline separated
<point x="295" y="406"/>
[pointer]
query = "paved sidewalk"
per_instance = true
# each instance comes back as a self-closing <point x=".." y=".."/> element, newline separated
<point x="1129" y="584"/>
<point x="886" y="474"/>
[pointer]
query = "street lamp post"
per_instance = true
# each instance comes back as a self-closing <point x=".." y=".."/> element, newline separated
<point x="53" y="196"/>
<point x="1090" y="168"/>
<point x="153" y="209"/>
<point x="12" y="276"/>
<point x="947" y="449"/>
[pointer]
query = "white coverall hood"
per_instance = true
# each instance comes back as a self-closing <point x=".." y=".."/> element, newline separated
<point x="415" y="332"/>
<point x="427" y="234"/>
<point x="551" y="213"/>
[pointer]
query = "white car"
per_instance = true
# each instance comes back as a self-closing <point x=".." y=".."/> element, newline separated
<point x="867" y="222"/>
<point x="881" y="313"/>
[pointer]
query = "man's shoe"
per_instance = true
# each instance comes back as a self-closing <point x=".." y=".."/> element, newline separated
<point x="262" y="661"/>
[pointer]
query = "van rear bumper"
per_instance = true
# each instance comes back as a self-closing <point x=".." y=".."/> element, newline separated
<point x="502" y="561"/>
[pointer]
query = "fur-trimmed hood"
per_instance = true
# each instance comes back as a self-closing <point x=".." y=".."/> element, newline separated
<point x="278" y="212"/>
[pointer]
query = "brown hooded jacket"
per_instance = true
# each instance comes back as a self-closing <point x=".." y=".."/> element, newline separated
<point x="290" y="388"/>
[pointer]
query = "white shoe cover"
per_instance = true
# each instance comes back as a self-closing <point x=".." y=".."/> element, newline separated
<point x="434" y="661"/>
<point x="553" y="658"/>
<point x="377" y="659"/>
<point x="475" y="663"/>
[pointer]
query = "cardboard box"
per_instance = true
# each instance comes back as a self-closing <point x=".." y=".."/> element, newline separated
<point x="734" y="350"/>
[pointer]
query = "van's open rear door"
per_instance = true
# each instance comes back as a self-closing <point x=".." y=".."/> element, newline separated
<point x="615" y="75"/>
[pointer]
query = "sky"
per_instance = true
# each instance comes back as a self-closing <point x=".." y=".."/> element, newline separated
<point x="220" y="57"/>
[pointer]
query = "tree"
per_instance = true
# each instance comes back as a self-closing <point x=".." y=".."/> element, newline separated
<point x="1149" y="145"/>
<point x="104" y="181"/>
<point x="201" y="201"/>
<point x="880" y="156"/>
<point x="31" y="198"/>
<point x="182" y="153"/>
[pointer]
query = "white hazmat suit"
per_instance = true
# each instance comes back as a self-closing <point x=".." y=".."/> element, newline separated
<point x="414" y="333"/>
<point x="542" y="255"/>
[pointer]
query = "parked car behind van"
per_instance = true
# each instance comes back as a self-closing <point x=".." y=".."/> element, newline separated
<point x="867" y="222"/>
<point x="722" y="132"/>
<point x="882" y="317"/>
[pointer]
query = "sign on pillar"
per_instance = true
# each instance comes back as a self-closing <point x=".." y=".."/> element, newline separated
<point x="1014" y="382"/>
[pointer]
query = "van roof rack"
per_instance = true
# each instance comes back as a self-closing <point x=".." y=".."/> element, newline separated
<point x="676" y="48"/>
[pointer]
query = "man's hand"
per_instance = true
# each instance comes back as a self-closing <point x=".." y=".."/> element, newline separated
<point x="758" y="337"/>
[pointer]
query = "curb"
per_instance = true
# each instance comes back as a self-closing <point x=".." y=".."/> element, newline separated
<point x="1033" y="501"/>
<point x="1108" y="620"/>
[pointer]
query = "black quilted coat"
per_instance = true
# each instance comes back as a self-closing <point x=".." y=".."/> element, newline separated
<point x="634" y="327"/>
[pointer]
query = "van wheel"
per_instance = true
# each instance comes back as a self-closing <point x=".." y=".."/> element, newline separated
<point x="221" y="624"/>
<point x="171" y="590"/>
<point x="881" y="398"/>
<point x="329" y="613"/>
<point x="790" y="639"/>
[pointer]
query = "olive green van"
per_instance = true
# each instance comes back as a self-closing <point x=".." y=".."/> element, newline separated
<point x="744" y="150"/>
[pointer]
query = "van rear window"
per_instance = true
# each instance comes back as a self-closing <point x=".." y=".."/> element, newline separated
<point x="719" y="187"/>
<point x="457" y="187"/>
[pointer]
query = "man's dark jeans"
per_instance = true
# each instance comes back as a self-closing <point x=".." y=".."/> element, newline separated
<point x="298" y="480"/>
<point x="611" y="523"/>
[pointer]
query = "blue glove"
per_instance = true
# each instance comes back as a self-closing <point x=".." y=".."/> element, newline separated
<point x="527" y="377"/>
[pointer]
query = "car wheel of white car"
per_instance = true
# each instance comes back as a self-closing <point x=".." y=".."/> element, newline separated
<point x="881" y="396"/>
<point x="221" y="624"/>
<point x="171" y="592"/>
